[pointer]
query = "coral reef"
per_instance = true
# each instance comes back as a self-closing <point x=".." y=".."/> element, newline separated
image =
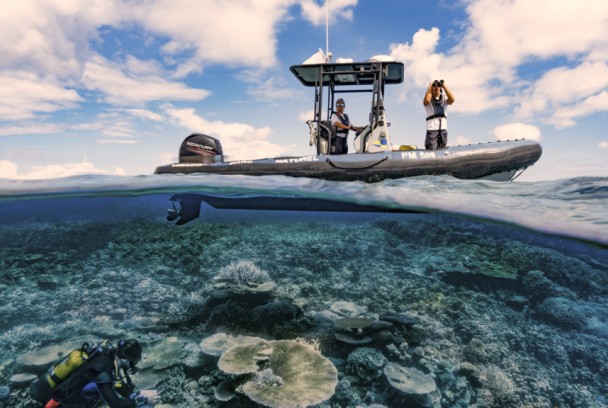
<point x="365" y="364"/>
<point x="299" y="376"/>
<point x="495" y="318"/>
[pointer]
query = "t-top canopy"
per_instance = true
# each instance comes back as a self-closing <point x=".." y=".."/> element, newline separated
<point x="351" y="73"/>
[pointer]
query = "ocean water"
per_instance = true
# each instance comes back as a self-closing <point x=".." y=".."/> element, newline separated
<point x="482" y="294"/>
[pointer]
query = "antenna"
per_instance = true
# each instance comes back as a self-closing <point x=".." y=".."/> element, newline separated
<point x="327" y="53"/>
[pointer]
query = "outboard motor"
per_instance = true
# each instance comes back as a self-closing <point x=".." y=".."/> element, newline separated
<point x="200" y="148"/>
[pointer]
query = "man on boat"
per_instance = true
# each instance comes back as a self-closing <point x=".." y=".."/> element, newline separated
<point x="340" y="120"/>
<point x="436" y="107"/>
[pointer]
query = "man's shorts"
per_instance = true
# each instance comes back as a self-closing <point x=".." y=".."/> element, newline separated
<point x="436" y="139"/>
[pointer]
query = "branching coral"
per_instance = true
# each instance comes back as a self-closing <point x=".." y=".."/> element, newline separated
<point x="243" y="272"/>
<point x="314" y="344"/>
<point x="266" y="378"/>
<point x="498" y="383"/>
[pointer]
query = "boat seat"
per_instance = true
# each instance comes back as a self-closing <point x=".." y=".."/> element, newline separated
<point x="365" y="133"/>
<point x="327" y="128"/>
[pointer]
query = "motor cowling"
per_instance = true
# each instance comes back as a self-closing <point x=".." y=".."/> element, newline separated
<point x="200" y="148"/>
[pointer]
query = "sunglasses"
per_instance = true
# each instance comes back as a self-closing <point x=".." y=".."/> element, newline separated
<point x="340" y="104"/>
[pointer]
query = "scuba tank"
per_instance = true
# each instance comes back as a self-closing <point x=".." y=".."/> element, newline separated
<point x="42" y="387"/>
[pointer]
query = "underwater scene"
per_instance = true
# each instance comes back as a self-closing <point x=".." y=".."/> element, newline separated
<point x="280" y="292"/>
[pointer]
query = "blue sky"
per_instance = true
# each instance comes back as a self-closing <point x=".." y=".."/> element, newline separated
<point x="112" y="87"/>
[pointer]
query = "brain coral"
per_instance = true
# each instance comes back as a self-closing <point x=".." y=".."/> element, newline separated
<point x="302" y="376"/>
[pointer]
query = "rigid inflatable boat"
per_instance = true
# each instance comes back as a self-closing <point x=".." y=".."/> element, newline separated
<point x="375" y="157"/>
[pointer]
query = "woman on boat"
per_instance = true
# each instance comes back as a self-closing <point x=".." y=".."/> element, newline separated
<point x="342" y="123"/>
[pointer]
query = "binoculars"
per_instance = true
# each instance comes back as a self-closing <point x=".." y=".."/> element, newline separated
<point x="438" y="83"/>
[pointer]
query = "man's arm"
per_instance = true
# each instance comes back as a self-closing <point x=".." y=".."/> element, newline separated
<point x="338" y="123"/>
<point x="449" y="95"/>
<point x="428" y="95"/>
<point x="114" y="401"/>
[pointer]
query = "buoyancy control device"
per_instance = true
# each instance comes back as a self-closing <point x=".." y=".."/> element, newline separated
<point x="41" y="388"/>
<point x="200" y="148"/>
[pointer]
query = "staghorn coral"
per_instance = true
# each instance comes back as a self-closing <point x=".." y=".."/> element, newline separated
<point x="174" y="390"/>
<point x="501" y="386"/>
<point x="186" y="308"/>
<point x="243" y="277"/>
<point x="314" y="344"/>
<point x="266" y="378"/>
<point x="243" y="272"/>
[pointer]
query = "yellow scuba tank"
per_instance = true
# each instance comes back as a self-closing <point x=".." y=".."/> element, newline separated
<point x="41" y="389"/>
<point x="62" y="370"/>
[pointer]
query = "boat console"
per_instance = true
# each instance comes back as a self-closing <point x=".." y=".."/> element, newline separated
<point x="350" y="77"/>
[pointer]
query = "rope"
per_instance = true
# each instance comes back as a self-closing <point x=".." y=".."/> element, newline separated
<point x="520" y="173"/>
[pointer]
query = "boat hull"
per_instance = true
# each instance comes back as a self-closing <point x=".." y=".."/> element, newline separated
<point x="497" y="161"/>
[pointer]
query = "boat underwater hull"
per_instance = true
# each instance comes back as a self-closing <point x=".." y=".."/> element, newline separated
<point x="187" y="206"/>
<point x="498" y="161"/>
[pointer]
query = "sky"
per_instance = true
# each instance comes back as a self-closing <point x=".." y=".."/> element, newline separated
<point x="114" y="86"/>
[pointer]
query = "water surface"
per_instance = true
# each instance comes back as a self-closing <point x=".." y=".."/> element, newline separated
<point x="497" y="291"/>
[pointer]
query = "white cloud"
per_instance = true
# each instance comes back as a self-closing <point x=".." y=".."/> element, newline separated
<point x="23" y="94"/>
<point x="505" y="33"/>
<point x="238" y="32"/>
<point x="304" y="116"/>
<point x="603" y="144"/>
<point x="514" y="131"/>
<point x="487" y="69"/>
<point x="421" y="62"/>
<point x="41" y="129"/>
<point x="562" y="91"/>
<point x="338" y="9"/>
<point x="239" y="140"/>
<point x="146" y="114"/>
<point x="10" y="170"/>
<point x="461" y="140"/>
<point x="130" y="88"/>
<point x="423" y="65"/>
<point x="50" y="37"/>
<point x="48" y="49"/>
<point x="564" y="117"/>
<point x="115" y="141"/>
<point x="272" y="90"/>
<point x="111" y="125"/>
<point x="168" y="158"/>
